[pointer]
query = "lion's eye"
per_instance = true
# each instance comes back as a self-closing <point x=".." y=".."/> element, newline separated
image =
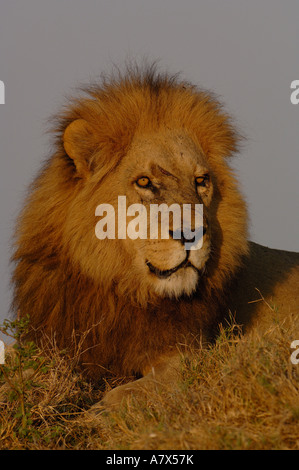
<point x="202" y="180"/>
<point x="144" y="182"/>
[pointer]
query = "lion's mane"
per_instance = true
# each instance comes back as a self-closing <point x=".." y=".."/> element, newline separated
<point x="54" y="276"/>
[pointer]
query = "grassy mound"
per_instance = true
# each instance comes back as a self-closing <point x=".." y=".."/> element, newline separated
<point x="241" y="393"/>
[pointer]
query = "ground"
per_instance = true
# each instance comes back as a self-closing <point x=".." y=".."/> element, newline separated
<point x="242" y="393"/>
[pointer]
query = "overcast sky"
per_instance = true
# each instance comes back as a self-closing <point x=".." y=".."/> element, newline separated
<point x="246" y="52"/>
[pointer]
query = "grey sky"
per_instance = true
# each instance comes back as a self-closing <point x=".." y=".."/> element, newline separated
<point x="246" y="52"/>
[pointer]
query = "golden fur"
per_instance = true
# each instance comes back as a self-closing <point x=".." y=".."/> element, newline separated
<point x="70" y="283"/>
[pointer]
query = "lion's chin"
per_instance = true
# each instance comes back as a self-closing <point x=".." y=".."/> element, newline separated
<point x="181" y="282"/>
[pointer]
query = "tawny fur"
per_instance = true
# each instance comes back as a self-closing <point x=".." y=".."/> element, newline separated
<point x="71" y="283"/>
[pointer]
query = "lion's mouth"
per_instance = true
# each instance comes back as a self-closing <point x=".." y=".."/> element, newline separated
<point x="164" y="274"/>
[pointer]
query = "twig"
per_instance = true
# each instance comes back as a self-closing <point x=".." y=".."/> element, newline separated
<point x="261" y="299"/>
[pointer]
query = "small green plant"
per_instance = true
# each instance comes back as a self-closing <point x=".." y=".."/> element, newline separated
<point x="20" y="370"/>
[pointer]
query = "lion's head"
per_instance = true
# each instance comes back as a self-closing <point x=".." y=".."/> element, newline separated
<point x="155" y="140"/>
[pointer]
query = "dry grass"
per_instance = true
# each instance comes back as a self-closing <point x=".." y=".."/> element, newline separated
<point x="242" y="393"/>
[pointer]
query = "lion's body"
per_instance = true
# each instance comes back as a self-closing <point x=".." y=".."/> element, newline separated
<point x="266" y="289"/>
<point x="76" y="286"/>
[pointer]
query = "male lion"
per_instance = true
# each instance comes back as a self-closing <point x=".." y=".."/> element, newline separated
<point x="133" y="303"/>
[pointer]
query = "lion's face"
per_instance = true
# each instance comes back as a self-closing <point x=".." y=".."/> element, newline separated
<point x="165" y="168"/>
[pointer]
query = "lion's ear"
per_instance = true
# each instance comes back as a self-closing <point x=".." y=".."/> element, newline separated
<point x="79" y="142"/>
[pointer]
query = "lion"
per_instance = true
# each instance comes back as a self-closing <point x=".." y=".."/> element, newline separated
<point x="135" y="303"/>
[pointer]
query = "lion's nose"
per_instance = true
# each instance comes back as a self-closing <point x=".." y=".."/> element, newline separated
<point x="180" y="235"/>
